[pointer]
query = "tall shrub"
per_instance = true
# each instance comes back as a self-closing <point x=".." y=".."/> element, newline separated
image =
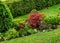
<point x="23" y="7"/>
<point x="5" y="17"/>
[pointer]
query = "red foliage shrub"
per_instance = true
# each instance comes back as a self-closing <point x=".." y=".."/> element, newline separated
<point x="34" y="19"/>
<point x="21" y="25"/>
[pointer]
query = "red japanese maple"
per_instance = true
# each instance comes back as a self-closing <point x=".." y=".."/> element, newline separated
<point x="34" y="19"/>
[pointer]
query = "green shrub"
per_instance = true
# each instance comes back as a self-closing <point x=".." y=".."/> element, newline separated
<point x="23" y="7"/>
<point x="49" y="22"/>
<point x="34" y="10"/>
<point x="5" y="17"/>
<point x="59" y="18"/>
<point x="51" y="19"/>
<point x="14" y="24"/>
<point x="11" y="33"/>
<point x="21" y="28"/>
<point x="22" y="32"/>
<point x="39" y="4"/>
<point x="1" y="36"/>
<point x="31" y="31"/>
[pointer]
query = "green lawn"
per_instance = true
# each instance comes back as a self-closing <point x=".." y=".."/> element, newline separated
<point x="47" y="37"/>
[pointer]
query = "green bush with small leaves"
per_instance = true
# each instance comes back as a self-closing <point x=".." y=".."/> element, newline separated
<point x="11" y="33"/>
<point x="51" y="19"/>
<point x="31" y="31"/>
<point x="5" y="17"/>
<point x="1" y="36"/>
<point x="22" y="32"/>
<point x="23" y="7"/>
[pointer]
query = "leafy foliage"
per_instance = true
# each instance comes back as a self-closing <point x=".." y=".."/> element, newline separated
<point x="34" y="19"/>
<point x="23" y="7"/>
<point x="20" y="25"/>
<point x="31" y="31"/>
<point x="51" y="19"/>
<point x="1" y="36"/>
<point x="11" y="33"/>
<point x="5" y="17"/>
<point x="22" y="32"/>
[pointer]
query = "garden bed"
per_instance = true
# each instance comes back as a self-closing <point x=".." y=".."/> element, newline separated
<point x="36" y="27"/>
<point x="41" y="36"/>
<point x="47" y="37"/>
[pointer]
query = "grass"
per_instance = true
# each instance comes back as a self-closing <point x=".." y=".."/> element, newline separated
<point x="47" y="37"/>
<point x="51" y="10"/>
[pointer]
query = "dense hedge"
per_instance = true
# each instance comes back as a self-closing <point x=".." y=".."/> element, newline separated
<point x="5" y="17"/>
<point x="23" y="7"/>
